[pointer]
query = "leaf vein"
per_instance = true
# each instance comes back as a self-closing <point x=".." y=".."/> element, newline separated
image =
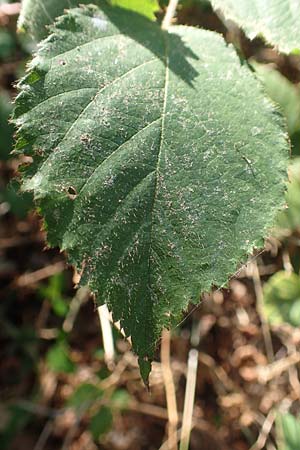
<point x="69" y="130"/>
<point x="159" y="153"/>
<point x="116" y="151"/>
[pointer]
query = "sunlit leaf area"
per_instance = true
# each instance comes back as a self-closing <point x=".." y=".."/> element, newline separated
<point x="149" y="225"/>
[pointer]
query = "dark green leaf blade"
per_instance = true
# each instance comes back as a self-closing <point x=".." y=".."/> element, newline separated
<point x="278" y="21"/>
<point x="37" y="15"/>
<point x="101" y="422"/>
<point x="158" y="162"/>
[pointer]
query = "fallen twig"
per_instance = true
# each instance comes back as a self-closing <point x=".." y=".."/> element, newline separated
<point x="265" y="431"/>
<point x="8" y="10"/>
<point x="82" y="295"/>
<point x="28" y="279"/>
<point x="45" y="434"/>
<point x="171" y="9"/>
<point x="267" y="373"/>
<point x="107" y="336"/>
<point x="189" y="399"/>
<point x="170" y="390"/>
<point x="259" y="306"/>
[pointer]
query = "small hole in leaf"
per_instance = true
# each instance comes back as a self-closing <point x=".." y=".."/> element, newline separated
<point x="72" y="192"/>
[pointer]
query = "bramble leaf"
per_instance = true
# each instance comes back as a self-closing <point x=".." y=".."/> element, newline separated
<point x="283" y="92"/>
<point x="6" y="129"/>
<point x="37" y="15"/>
<point x="146" y="7"/>
<point x="158" y="163"/>
<point x="278" y="21"/>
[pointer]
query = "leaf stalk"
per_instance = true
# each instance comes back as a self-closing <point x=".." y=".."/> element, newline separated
<point x="171" y="9"/>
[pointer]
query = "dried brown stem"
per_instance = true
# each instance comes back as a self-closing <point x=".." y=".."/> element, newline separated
<point x="170" y="390"/>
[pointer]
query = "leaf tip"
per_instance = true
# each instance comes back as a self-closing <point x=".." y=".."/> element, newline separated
<point x="145" y="369"/>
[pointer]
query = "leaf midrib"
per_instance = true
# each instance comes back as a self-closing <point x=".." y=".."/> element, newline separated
<point x="165" y="37"/>
<point x="160" y="147"/>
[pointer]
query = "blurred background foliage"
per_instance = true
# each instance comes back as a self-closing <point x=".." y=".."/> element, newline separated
<point x="57" y="388"/>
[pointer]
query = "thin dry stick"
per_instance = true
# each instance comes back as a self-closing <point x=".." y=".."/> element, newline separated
<point x="48" y="333"/>
<point x="170" y="390"/>
<point x="161" y="414"/>
<point x="8" y="10"/>
<point x="259" y="306"/>
<point x="223" y="383"/>
<point x="107" y="336"/>
<point x="274" y="370"/>
<point x="265" y="431"/>
<point x="47" y="430"/>
<point x="71" y="433"/>
<point x="34" y="277"/>
<point x="189" y="399"/>
<point x="293" y="372"/>
<point x="82" y="295"/>
<point x="166" y="445"/>
<point x="12" y="242"/>
<point x="171" y="9"/>
<point x="294" y="381"/>
<point x="286" y="260"/>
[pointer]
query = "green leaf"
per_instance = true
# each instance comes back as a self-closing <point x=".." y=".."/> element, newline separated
<point x="145" y="368"/>
<point x="6" y="129"/>
<point x="158" y="162"/>
<point x="291" y="431"/>
<point x="17" y="202"/>
<point x="289" y="219"/>
<point x="18" y="419"/>
<point x="282" y="298"/>
<point x="101" y="422"/>
<point x="283" y="92"/>
<point x="120" y="399"/>
<point x="276" y="20"/>
<point x="53" y="292"/>
<point x="37" y="15"/>
<point x="58" y="358"/>
<point x="7" y="44"/>
<point x="287" y="96"/>
<point x="146" y="7"/>
<point x="84" y="396"/>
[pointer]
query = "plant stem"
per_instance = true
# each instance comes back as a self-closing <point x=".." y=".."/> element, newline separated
<point x="107" y="336"/>
<point x="170" y="390"/>
<point x="259" y="306"/>
<point x="171" y="9"/>
<point x="189" y="399"/>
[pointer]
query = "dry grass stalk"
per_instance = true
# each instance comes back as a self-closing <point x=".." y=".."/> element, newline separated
<point x="170" y="390"/>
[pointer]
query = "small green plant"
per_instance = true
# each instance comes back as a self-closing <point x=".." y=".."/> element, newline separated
<point x="58" y="358"/>
<point x="288" y="428"/>
<point x="287" y="96"/>
<point x="100" y="406"/>
<point x="159" y="163"/>
<point x="53" y="292"/>
<point x="282" y="298"/>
